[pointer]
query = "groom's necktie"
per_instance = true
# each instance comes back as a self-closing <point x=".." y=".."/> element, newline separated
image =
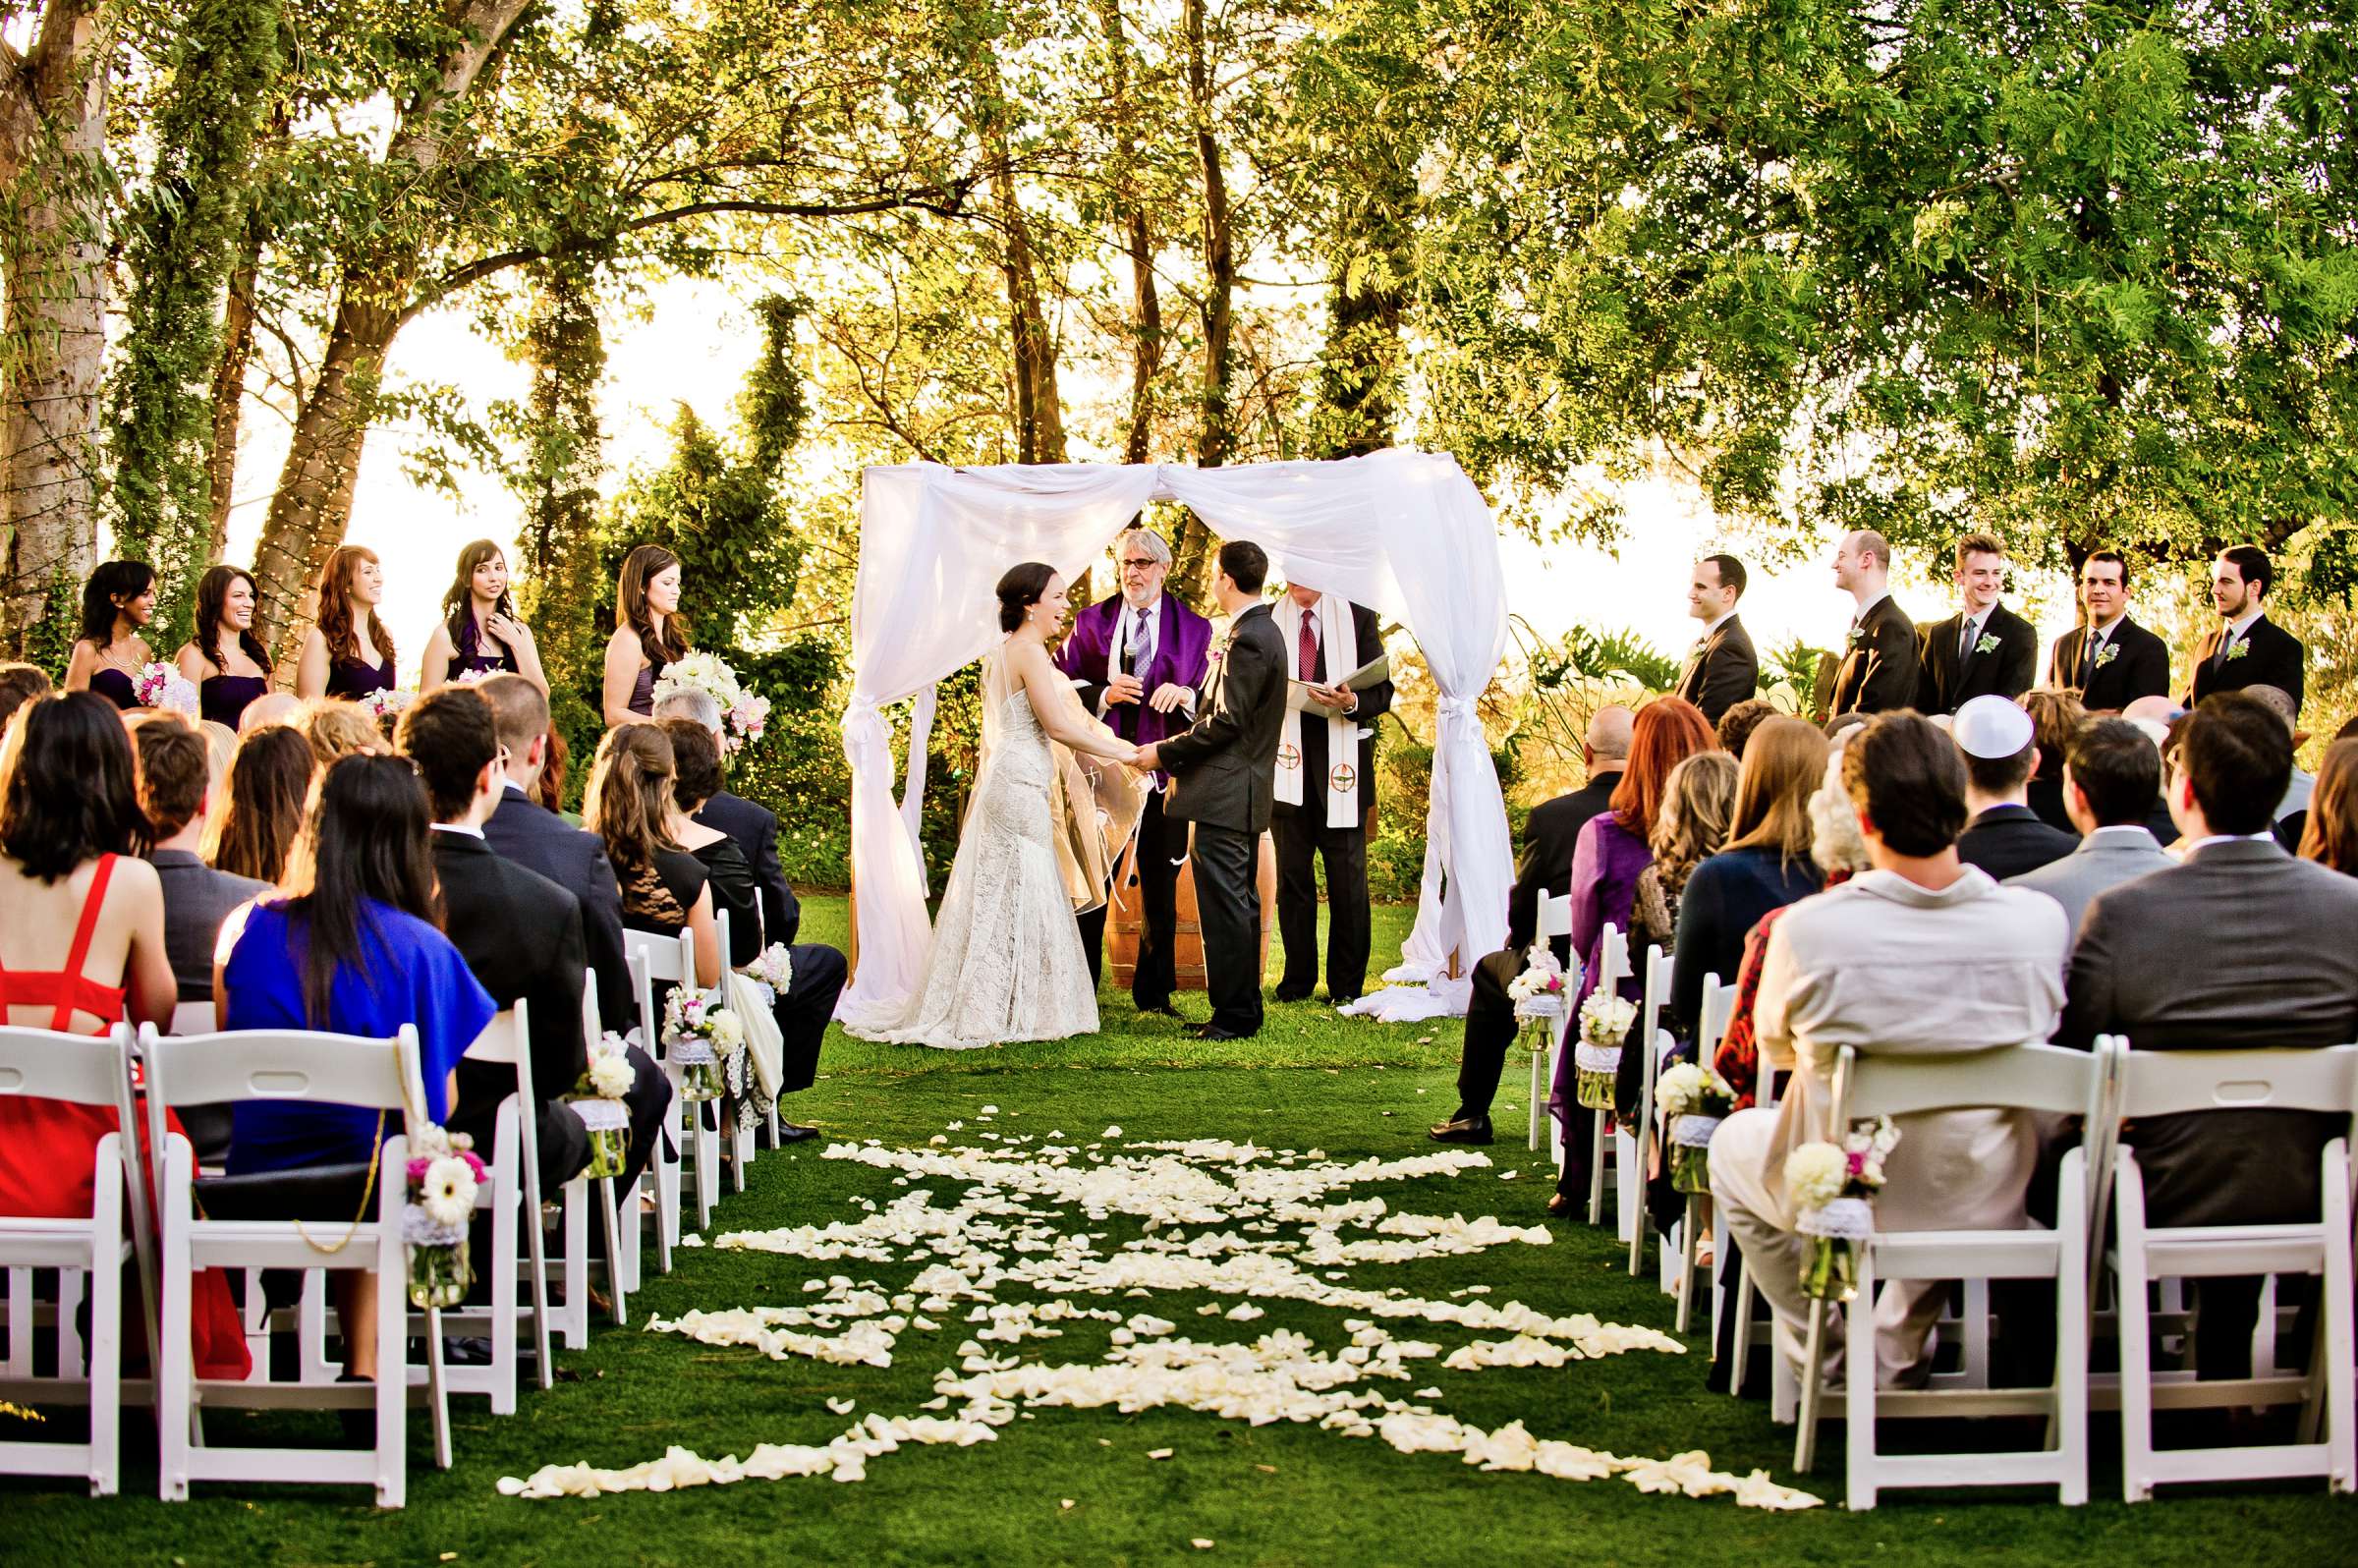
<point x="1308" y="654"/>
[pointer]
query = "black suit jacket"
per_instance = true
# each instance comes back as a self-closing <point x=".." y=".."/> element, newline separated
<point x="1222" y="770"/>
<point x="1373" y="703"/>
<point x="1943" y="683"/>
<point x="2276" y="659"/>
<point x="1548" y="840"/>
<point x="2139" y="666"/>
<point x="522" y="935"/>
<point x="574" y="859"/>
<point x="1879" y="669"/>
<point x="756" y="830"/>
<point x="1721" y="671"/>
<point x="2239" y="947"/>
<point x="2010" y="840"/>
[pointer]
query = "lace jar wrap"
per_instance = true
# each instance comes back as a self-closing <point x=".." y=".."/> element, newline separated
<point x="1689" y="1158"/>
<point x="439" y="1272"/>
<point x="608" y="1123"/>
<point x="1595" y="1067"/>
<point x="1836" y="1229"/>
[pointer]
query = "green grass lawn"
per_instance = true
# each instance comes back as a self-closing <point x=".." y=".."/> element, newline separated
<point x="1274" y="1494"/>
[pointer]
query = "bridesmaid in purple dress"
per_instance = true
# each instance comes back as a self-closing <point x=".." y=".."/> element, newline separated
<point x="337" y="651"/>
<point x="649" y="633"/>
<point x="116" y="603"/>
<point x="224" y="660"/>
<point x="479" y="634"/>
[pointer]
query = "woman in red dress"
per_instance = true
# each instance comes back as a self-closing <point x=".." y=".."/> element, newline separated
<point x="82" y="949"/>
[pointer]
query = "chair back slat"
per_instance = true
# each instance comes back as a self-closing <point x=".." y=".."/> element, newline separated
<point x="283" y="1064"/>
<point x="2027" y="1077"/>
<point x="1612" y="957"/>
<point x="79" y="1069"/>
<point x="720" y="932"/>
<point x="1552" y="916"/>
<point x="665" y="957"/>
<point x="192" y="1018"/>
<point x="1719" y="1006"/>
<point x="503" y="1039"/>
<point x="2174" y="1082"/>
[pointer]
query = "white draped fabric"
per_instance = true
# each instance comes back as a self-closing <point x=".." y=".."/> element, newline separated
<point x="1403" y="532"/>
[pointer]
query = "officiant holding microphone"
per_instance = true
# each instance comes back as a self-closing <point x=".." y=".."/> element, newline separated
<point x="1140" y="657"/>
<point x="1326" y="787"/>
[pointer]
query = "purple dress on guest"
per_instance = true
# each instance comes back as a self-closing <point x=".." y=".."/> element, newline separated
<point x="1605" y="864"/>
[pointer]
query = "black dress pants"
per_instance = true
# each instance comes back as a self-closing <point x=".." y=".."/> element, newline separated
<point x="1161" y="846"/>
<point x="1490" y="1028"/>
<point x="1300" y="834"/>
<point x="1228" y="907"/>
<point x="803" y="1013"/>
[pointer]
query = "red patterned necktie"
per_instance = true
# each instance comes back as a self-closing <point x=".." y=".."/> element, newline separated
<point x="1310" y="649"/>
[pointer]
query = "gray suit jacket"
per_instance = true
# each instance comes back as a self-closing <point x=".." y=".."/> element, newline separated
<point x="1224" y="769"/>
<point x="2106" y="858"/>
<point x="196" y="900"/>
<point x="2240" y="946"/>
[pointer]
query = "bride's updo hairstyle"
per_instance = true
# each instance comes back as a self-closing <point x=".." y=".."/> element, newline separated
<point x="1019" y="590"/>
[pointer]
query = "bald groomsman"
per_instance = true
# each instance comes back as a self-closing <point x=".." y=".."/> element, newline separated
<point x="1878" y="664"/>
<point x="1722" y="670"/>
<point x="1985" y="650"/>
<point x="2108" y="658"/>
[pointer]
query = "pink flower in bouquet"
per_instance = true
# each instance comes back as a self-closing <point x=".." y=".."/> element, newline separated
<point x="1857" y="1161"/>
<point x="418" y="1169"/>
<point x="474" y="1161"/>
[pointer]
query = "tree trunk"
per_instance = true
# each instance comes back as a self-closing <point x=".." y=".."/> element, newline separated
<point x="1138" y="243"/>
<point x="52" y="158"/>
<point x="1360" y="367"/>
<point x="229" y="391"/>
<point x="1039" y="403"/>
<point x="1217" y="436"/>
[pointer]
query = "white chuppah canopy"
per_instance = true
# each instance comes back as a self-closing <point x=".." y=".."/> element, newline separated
<point x="1403" y="532"/>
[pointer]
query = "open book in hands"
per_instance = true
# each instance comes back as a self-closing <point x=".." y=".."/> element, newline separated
<point x="1375" y="672"/>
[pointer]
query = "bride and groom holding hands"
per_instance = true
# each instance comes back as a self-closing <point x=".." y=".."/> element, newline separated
<point x="1069" y="758"/>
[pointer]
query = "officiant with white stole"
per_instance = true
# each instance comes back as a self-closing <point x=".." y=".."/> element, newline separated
<point x="1141" y="658"/>
<point x="1326" y="787"/>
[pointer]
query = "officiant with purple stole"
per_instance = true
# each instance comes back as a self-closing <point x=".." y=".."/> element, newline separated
<point x="1326" y="787"/>
<point x="1141" y="658"/>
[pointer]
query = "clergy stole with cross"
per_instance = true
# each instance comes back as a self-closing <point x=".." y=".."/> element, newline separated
<point x="1339" y="643"/>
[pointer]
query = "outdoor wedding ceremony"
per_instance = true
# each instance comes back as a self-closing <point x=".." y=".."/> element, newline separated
<point x="1199" y="780"/>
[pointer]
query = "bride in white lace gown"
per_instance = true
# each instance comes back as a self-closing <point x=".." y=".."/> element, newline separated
<point x="1006" y="962"/>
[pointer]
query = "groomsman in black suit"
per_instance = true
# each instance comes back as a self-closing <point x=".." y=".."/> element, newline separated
<point x="2247" y="648"/>
<point x="1878" y="664"/>
<point x="1722" y="670"/>
<point x="1985" y="650"/>
<point x="2109" y="660"/>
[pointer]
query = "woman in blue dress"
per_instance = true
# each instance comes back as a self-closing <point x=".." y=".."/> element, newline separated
<point x="352" y="946"/>
<point x="346" y="652"/>
<point x="117" y="600"/>
<point x="224" y="660"/>
<point x="478" y="634"/>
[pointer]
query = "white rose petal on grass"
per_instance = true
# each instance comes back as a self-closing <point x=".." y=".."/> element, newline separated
<point x="842" y="1407"/>
<point x="1158" y="1453"/>
<point x="1200" y="1542"/>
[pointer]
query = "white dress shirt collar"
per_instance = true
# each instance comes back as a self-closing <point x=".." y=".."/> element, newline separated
<point x="1717" y="621"/>
<point x="2237" y="631"/>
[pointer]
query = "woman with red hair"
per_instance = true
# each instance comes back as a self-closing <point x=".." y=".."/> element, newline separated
<point x="1612" y="852"/>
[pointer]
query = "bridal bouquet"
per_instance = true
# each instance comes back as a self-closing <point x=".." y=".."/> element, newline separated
<point x="1694" y="1103"/>
<point x="744" y="715"/>
<point x="597" y="1101"/>
<point x="699" y="1037"/>
<point x="1833" y="1188"/>
<point x="387" y="704"/>
<point x="162" y="685"/>
<point x="443" y="1174"/>
<point x="1604" y="1024"/>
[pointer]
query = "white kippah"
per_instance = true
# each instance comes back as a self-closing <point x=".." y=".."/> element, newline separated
<point x="1991" y="727"/>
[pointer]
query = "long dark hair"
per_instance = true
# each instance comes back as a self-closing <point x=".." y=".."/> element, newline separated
<point x="114" y="580"/>
<point x="334" y="614"/>
<point x="2331" y="835"/>
<point x="629" y="800"/>
<point x="458" y="600"/>
<point x="212" y="599"/>
<point x="363" y="837"/>
<point x="69" y="788"/>
<point x="269" y="778"/>
<point x="644" y="562"/>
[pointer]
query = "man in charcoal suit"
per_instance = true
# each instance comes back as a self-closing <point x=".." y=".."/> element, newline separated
<point x="2246" y="647"/>
<point x="2238" y="946"/>
<point x="1140" y="657"/>
<point x="1722" y="670"/>
<point x="1222" y="780"/>
<point x="1877" y="671"/>
<point x="1985" y="649"/>
<point x="2109" y="660"/>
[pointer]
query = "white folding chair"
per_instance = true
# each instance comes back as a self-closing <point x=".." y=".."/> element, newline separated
<point x="192" y="1018"/>
<point x="573" y="1318"/>
<point x="2033" y="1078"/>
<point x="1552" y="917"/>
<point x="2151" y="1084"/>
<point x="287" y="1066"/>
<point x="658" y="959"/>
<point x="96" y="1071"/>
<point x="1612" y="966"/>
<point x="740" y="1136"/>
<point x="511" y="1196"/>
<point x="1718" y="1003"/>
<point x="1653" y="1042"/>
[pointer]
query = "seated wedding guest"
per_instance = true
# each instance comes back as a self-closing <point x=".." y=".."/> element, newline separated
<point x="576" y="861"/>
<point x="272" y="707"/>
<point x="1850" y="966"/>
<point x="82" y="949"/>
<point x="629" y="805"/>
<point x="116" y="603"/>
<point x="2241" y="946"/>
<point x="352" y="948"/>
<point x="223" y="658"/>
<point x="1737" y="725"/>
<point x="1548" y="839"/>
<point x="550" y="791"/>
<point x="1610" y="852"/>
<point x="2055" y="717"/>
<point x="2291" y="815"/>
<point x="487" y="901"/>
<point x="175" y="791"/>
<point x="1689" y="829"/>
<point x="19" y="684"/>
<point x="478" y="634"/>
<point x="1764" y="865"/>
<point x="269" y="780"/>
<point x="348" y="653"/>
<point x="2005" y="838"/>
<point x="2112" y="777"/>
<point x="754" y="827"/>
<point x="649" y="633"/>
<point x="2329" y="836"/>
<point x="803" y="1012"/>
<point x="336" y="728"/>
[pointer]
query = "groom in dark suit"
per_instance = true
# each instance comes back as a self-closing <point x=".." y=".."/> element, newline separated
<point x="1985" y="650"/>
<point x="1224" y="780"/>
<point x="1722" y="670"/>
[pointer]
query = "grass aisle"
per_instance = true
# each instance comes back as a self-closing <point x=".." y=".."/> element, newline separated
<point x="1272" y="1494"/>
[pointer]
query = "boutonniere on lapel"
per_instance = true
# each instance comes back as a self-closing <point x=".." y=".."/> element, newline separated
<point x="1987" y="645"/>
<point x="2238" y="651"/>
<point x="1858" y="635"/>
<point x="2107" y="654"/>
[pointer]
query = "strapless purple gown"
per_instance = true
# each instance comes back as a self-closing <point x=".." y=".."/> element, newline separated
<point x="115" y="687"/>
<point x="643" y="692"/>
<point x="352" y="678"/>
<point x="223" y="699"/>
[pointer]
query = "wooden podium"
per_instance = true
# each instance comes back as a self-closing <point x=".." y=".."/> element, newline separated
<point x="1125" y="919"/>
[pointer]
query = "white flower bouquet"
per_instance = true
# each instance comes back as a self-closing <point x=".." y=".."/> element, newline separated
<point x="699" y="1037"/>
<point x="1605" y="1020"/>
<point x="1833" y="1188"/>
<point x="1539" y="991"/>
<point x="442" y="1176"/>
<point x="1694" y="1101"/>
<point x="597" y="1101"/>
<point x="774" y="968"/>
<point x="162" y="685"/>
<point x="388" y="703"/>
<point x="744" y="715"/>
